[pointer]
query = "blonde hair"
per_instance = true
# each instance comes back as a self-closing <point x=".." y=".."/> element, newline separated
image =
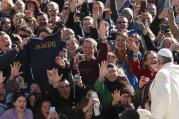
<point x="9" y="3"/>
<point x="91" y="40"/>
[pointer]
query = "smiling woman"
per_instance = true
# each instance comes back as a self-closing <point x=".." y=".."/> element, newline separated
<point x="19" y="110"/>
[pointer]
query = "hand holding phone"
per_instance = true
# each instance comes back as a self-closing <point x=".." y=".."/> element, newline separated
<point x="52" y="109"/>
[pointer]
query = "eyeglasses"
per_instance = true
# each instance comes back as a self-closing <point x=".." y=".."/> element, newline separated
<point x="52" y="10"/>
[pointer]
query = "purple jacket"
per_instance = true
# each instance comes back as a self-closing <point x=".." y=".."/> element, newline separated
<point x="11" y="114"/>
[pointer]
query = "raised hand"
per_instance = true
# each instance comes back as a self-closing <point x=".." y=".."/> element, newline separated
<point x="15" y="67"/>
<point x="79" y="58"/>
<point x="54" y="77"/>
<point x="89" y="106"/>
<point x="143" y="81"/>
<point x="116" y="97"/>
<point x="78" y="81"/>
<point x="133" y="46"/>
<point x="62" y="62"/>
<point x="103" y="30"/>
<point x="73" y="4"/>
<point x="53" y="115"/>
<point x="102" y="70"/>
<point x="24" y="42"/>
<point x="1" y="77"/>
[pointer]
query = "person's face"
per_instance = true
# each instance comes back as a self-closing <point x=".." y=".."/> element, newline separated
<point x="122" y="23"/>
<point x="151" y="8"/>
<point x="32" y="99"/>
<point x="2" y="92"/>
<point x="88" y="48"/>
<point x="90" y="93"/>
<point x="67" y="34"/>
<point x="111" y="58"/>
<point x="20" y="104"/>
<point x="120" y="43"/>
<point x="103" y="28"/>
<point x="98" y="8"/>
<point x="148" y="17"/>
<point x="167" y="43"/>
<point x="19" y="7"/>
<point x="87" y="23"/>
<point x="43" y="34"/>
<point x="65" y="13"/>
<point x="45" y="108"/>
<point x="71" y="46"/>
<point x="151" y="59"/>
<point x="177" y="8"/>
<point x="5" y="43"/>
<point x="147" y="106"/>
<point x="159" y="63"/>
<point x="31" y="7"/>
<point x="52" y="10"/>
<point x="128" y="16"/>
<point x="34" y="88"/>
<point x="136" y="40"/>
<point x="112" y="73"/>
<point x="136" y="9"/>
<point x="17" y="20"/>
<point x="108" y="14"/>
<point x="64" y="89"/>
<point x="6" y="24"/>
<point x="23" y="34"/>
<point x="42" y="20"/>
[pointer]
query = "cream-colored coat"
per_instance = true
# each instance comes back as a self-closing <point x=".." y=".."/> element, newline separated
<point x="165" y="93"/>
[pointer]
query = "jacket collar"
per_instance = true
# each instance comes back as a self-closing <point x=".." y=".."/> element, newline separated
<point x="167" y="64"/>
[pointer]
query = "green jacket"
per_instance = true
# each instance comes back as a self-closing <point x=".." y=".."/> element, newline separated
<point x="104" y="93"/>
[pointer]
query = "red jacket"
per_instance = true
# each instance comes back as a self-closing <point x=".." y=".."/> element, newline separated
<point x="139" y="71"/>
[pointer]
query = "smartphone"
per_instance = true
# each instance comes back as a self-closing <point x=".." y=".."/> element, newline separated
<point x="52" y="109"/>
<point x="164" y="28"/>
<point x="143" y="6"/>
<point x="94" y="95"/>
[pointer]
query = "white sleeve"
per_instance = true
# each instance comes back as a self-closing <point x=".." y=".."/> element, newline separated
<point x="160" y="95"/>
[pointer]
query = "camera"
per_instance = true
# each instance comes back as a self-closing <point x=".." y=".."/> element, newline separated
<point x="82" y="57"/>
<point x="164" y="28"/>
<point x="77" y="77"/>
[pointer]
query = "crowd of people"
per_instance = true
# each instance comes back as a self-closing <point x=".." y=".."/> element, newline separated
<point x="89" y="59"/>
